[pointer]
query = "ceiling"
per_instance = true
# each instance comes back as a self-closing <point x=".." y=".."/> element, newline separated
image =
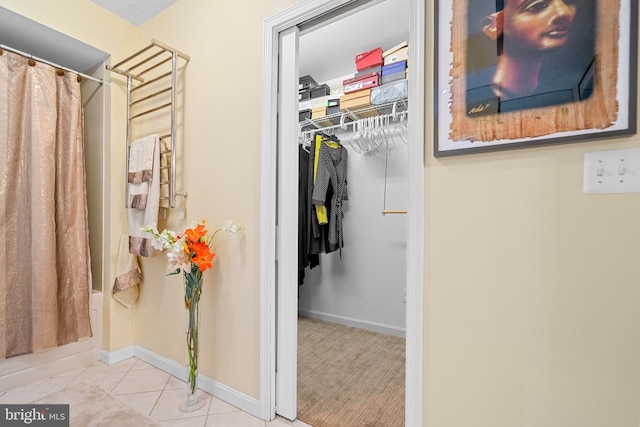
<point x="135" y="11"/>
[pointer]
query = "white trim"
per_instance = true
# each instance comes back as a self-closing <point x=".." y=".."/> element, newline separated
<point x="357" y="323"/>
<point x="287" y="229"/>
<point x="272" y="26"/>
<point x="414" y="400"/>
<point x="111" y="357"/>
<point x="239" y="400"/>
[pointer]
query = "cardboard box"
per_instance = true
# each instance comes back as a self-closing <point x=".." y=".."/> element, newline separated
<point x="334" y="109"/>
<point x="362" y="82"/>
<point x="335" y="102"/>
<point x="318" y="112"/>
<point x="322" y="90"/>
<point x="394" y="67"/>
<point x="304" y="94"/>
<point x="397" y="53"/>
<point x="393" y="77"/>
<point x="376" y="69"/>
<point x="358" y="100"/>
<point x="304" y="114"/>
<point x="401" y="55"/>
<point x="369" y="59"/>
<point x="306" y="82"/>
<point x="394" y="49"/>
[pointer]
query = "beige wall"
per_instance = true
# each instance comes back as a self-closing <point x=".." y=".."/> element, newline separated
<point x="532" y="303"/>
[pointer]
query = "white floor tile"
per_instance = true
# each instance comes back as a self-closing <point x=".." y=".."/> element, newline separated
<point x="185" y="422"/>
<point x="149" y="390"/>
<point x="143" y="380"/>
<point x="176" y="383"/>
<point x="140" y="365"/>
<point x="36" y="390"/>
<point x="234" y="419"/>
<point x="220" y="407"/>
<point x="167" y="406"/>
<point x="106" y="380"/>
<point x="141" y="402"/>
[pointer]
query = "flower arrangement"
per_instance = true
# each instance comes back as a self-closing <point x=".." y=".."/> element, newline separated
<point x="191" y="253"/>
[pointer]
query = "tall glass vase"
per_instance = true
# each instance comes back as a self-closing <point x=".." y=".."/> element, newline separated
<point x="193" y="288"/>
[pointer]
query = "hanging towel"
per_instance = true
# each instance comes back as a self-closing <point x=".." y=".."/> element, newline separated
<point x="125" y="287"/>
<point x="144" y="193"/>
<point x="140" y="173"/>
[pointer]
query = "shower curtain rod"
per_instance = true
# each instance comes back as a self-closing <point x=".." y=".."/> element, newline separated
<point x="28" y="55"/>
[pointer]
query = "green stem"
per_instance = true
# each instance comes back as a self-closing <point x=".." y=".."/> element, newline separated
<point x="193" y="288"/>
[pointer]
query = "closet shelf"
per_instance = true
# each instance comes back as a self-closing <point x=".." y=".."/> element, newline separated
<point x="350" y="116"/>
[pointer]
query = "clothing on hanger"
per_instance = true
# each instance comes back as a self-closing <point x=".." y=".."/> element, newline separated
<point x="330" y="164"/>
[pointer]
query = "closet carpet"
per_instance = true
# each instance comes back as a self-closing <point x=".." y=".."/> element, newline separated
<point x="349" y="377"/>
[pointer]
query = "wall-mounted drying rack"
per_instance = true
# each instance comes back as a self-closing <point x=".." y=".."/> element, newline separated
<point x="145" y="71"/>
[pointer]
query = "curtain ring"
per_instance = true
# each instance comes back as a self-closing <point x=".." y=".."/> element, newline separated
<point x="60" y="72"/>
<point x="31" y="62"/>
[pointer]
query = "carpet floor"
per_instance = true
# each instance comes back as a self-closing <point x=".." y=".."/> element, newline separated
<point x="349" y="377"/>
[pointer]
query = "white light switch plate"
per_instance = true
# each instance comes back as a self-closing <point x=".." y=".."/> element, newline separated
<point x="612" y="171"/>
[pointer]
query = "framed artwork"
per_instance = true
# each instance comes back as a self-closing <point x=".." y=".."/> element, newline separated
<point x="523" y="73"/>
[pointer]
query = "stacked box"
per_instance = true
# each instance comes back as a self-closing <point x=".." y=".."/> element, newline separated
<point x="364" y="81"/>
<point x="305" y="85"/>
<point x="394" y="71"/>
<point x="321" y="90"/>
<point x="356" y="100"/>
<point x="399" y="52"/>
<point x="369" y="59"/>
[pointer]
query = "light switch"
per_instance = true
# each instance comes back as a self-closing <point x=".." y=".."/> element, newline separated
<point x="612" y="171"/>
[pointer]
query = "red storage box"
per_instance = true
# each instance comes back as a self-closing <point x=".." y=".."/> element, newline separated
<point x="369" y="59"/>
<point x="365" y="81"/>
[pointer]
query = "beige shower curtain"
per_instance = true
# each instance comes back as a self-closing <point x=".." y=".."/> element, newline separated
<point x="45" y="279"/>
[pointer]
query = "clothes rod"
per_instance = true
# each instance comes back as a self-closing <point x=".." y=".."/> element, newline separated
<point x="44" y="61"/>
<point x="393" y="211"/>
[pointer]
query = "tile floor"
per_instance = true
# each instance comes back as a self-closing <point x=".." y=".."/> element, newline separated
<point x="147" y="389"/>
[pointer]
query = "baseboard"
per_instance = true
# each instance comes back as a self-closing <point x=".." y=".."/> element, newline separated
<point x="357" y="323"/>
<point x="111" y="357"/>
<point x="233" y="397"/>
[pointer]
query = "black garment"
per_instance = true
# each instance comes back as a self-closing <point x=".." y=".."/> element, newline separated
<point x="305" y="257"/>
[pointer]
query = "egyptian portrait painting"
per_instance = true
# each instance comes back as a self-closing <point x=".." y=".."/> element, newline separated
<point x="526" y="72"/>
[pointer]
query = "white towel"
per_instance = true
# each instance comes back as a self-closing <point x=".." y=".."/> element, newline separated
<point x="142" y="214"/>
<point x="125" y="286"/>
<point x="140" y="173"/>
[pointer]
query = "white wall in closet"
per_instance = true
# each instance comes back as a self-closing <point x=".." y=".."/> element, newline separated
<point x="366" y="288"/>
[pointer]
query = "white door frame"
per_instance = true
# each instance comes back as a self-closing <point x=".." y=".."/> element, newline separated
<point x="271" y="236"/>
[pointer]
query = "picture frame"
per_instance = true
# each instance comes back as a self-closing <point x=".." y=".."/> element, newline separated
<point x="577" y="79"/>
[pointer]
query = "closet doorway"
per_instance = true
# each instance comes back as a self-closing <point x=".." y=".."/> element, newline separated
<point x="279" y="272"/>
<point x="351" y="306"/>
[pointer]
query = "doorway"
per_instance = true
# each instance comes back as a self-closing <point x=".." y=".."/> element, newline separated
<point x="278" y="219"/>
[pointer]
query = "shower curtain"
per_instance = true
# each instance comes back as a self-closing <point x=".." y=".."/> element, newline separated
<point x="45" y="278"/>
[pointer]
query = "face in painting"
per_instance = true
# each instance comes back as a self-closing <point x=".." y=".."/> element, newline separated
<point x="531" y="26"/>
